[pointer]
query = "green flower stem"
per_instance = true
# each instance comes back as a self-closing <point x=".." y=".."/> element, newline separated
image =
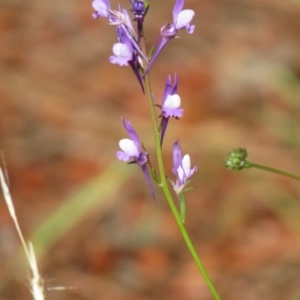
<point x="167" y="193"/>
<point x="273" y="170"/>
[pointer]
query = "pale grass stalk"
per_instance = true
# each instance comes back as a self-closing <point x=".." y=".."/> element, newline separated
<point x="36" y="281"/>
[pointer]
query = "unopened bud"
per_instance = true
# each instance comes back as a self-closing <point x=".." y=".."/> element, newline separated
<point x="237" y="159"/>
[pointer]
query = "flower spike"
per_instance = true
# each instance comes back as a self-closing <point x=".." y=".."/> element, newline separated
<point x="132" y="153"/>
<point x="181" y="20"/>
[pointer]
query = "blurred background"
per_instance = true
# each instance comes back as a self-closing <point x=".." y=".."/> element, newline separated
<point x="91" y="218"/>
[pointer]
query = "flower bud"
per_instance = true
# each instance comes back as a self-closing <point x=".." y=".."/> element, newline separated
<point x="237" y="159"/>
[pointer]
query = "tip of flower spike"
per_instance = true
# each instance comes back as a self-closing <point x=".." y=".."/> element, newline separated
<point x="139" y="9"/>
<point x="237" y="160"/>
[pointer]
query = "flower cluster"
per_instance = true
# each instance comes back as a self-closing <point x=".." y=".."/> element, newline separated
<point x="128" y="52"/>
<point x="132" y="149"/>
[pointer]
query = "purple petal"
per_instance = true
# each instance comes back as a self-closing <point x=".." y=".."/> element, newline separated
<point x="181" y="177"/>
<point x="169" y="88"/>
<point x="95" y="15"/>
<point x="173" y="112"/>
<point x="101" y="7"/>
<point x="174" y="91"/>
<point x="124" y="36"/>
<point x="177" y="9"/>
<point x="123" y="156"/>
<point x="194" y="170"/>
<point x="184" y="171"/>
<point x="190" y="28"/>
<point x="132" y="134"/>
<point x="176" y="157"/>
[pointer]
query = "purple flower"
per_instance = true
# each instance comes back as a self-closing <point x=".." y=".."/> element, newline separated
<point x="181" y="20"/>
<point x="127" y="51"/>
<point x="171" y="100"/>
<point x="132" y="149"/>
<point x="120" y="19"/>
<point x="170" y="105"/>
<point x="132" y="153"/>
<point x="181" y="169"/>
<point x="125" y="54"/>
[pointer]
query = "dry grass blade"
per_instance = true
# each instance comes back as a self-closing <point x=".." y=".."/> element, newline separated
<point x="36" y="281"/>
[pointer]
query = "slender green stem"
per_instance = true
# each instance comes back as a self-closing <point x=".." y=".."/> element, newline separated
<point x="273" y="170"/>
<point x="167" y="193"/>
